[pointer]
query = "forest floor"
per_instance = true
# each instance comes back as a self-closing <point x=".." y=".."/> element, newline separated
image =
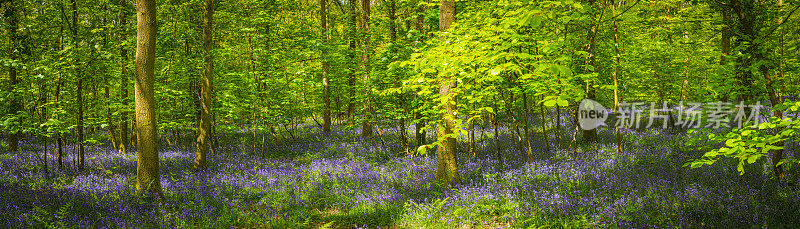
<point x="345" y="181"/>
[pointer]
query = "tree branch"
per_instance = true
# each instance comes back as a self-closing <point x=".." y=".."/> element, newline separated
<point x="779" y="25"/>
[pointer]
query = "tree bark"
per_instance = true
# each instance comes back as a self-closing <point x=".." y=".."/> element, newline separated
<point x="446" y="166"/>
<point x="615" y="75"/>
<point x="123" y="53"/>
<point x="351" y="56"/>
<point x="326" y="90"/>
<point x="526" y="127"/>
<point x="366" y="128"/>
<point x="746" y="34"/>
<point x="401" y="96"/>
<point x="726" y="37"/>
<point x="147" y="167"/>
<point x="59" y="137"/>
<point x="544" y="126"/>
<point x="591" y="34"/>
<point x="777" y="155"/>
<point x="79" y="91"/>
<point x="112" y="131"/>
<point x="207" y="88"/>
<point x="420" y="134"/>
<point x="496" y="124"/>
<point x="14" y="104"/>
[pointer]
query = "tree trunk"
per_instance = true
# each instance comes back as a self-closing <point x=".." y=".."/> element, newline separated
<point x="544" y="126"/>
<point x="726" y="37"/>
<point x="591" y="34"/>
<point x="326" y="91"/>
<point x="147" y="168"/>
<point x="526" y="127"/>
<point x="13" y="136"/>
<point x="446" y="166"/>
<point x="112" y="131"/>
<point x="123" y="53"/>
<point x="351" y="57"/>
<point x="496" y="122"/>
<point x="79" y="91"/>
<point x="615" y="75"/>
<point x="472" y="136"/>
<point x="746" y="36"/>
<point x="59" y="137"/>
<point x="366" y="128"/>
<point x="401" y="96"/>
<point x="558" y="125"/>
<point x="207" y="88"/>
<point x="419" y="134"/>
<point x="777" y="155"/>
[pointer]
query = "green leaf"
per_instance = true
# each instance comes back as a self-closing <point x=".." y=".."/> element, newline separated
<point x="740" y="168"/>
<point x="422" y="149"/>
<point x="752" y="159"/>
<point x="562" y="102"/>
<point x="535" y="20"/>
<point x="732" y="142"/>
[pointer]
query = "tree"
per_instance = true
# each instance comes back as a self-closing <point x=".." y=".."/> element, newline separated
<point x="591" y="36"/>
<point x="79" y="89"/>
<point x="123" y="54"/>
<point x="366" y="127"/>
<point x="751" y="31"/>
<point x="207" y="88"/>
<point x="615" y="75"/>
<point x="446" y="167"/>
<point x="326" y="90"/>
<point x="147" y="171"/>
<point x="13" y="20"/>
<point x="351" y="57"/>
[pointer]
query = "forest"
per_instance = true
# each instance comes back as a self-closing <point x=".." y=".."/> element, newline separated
<point x="399" y="114"/>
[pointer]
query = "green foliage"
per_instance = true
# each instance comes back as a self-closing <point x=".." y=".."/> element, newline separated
<point x="751" y="143"/>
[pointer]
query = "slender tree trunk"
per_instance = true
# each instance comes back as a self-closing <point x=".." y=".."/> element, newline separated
<point x="79" y="91"/>
<point x="591" y="35"/>
<point x="574" y="143"/>
<point x="544" y="126"/>
<point x="326" y="90"/>
<point x="615" y="75"/>
<point x="207" y="88"/>
<point x="526" y="127"/>
<point x="59" y="137"/>
<point x="746" y="37"/>
<point x="13" y="21"/>
<point x="403" y="131"/>
<point x="43" y="115"/>
<point x="726" y="37"/>
<point x="420" y="134"/>
<point x="446" y="165"/>
<point x="147" y="168"/>
<point x="366" y="128"/>
<point x="777" y="155"/>
<point x="496" y="122"/>
<point x="781" y="56"/>
<point x="123" y="53"/>
<point x="112" y="130"/>
<point x="401" y="97"/>
<point x="351" y="57"/>
<point x="472" y="136"/>
<point x="558" y="125"/>
<point x="514" y="119"/>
